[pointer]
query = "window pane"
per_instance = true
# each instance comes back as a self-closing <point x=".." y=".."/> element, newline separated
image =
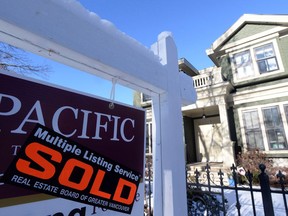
<point x="268" y="51"/>
<point x="272" y="64"/>
<point x="149" y="137"/>
<point x="259" y="53"/>
<point x="264" y="51"/>
<point x="255" y="119"/>
<point x="254" y="140"/>
<point x="253" y="130"/>
<point x="268" y="119"/>
<point x="274" y="128"/>
<point x="248" y="120"/>
<point x="251" y="120"/>
<point x="242" y="59"/>
<point x="243" y="64"/>
<point x="262" y="66"/>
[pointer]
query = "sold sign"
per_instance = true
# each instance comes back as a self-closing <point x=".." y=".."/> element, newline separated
<point x="50" y="163"/>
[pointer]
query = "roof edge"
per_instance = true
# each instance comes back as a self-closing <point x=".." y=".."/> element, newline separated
<point x="250" y="18"/>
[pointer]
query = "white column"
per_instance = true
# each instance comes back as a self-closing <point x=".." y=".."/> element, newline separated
<point x="169" y="156"/>
<point x="227" y="144"/>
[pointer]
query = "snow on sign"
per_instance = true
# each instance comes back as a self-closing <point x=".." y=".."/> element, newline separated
<point x="68" y="145"/>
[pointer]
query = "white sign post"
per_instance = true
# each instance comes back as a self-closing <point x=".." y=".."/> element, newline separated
<point x="66" y="32"/>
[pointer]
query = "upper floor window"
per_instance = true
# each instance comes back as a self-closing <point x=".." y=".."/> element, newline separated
<point x="256" y="60"/>
<point x="243" y="64"/>
<point x="266" y="59"/>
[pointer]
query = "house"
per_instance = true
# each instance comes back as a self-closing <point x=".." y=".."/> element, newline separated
<point x="242" y="101"/>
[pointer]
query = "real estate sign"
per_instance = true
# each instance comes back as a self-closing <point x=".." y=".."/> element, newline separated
<point x="67" y="145"/>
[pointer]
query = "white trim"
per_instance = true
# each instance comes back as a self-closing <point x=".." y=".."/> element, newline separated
<point x="250" y="18"/>
<point x="257" y="38"/>
<point x="261" y="93"/>
<point x="246" y="44"/>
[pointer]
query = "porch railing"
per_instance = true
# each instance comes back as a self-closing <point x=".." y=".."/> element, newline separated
<point x="207" y="78"/>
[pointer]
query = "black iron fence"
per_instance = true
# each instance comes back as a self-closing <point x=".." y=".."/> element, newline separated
<point x="207" y="193"/>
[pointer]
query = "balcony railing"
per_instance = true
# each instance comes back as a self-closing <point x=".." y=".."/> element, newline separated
<point x="208" y="78"/>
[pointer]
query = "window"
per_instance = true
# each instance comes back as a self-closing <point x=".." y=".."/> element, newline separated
<point x="256" y="61"/>
<point x="252" y="128"/>
<point x="149" y="138"/>
<point x="265" y="127"/>
<point x="274" y="128"/>
<point x="243" y="63"/>
<point x="266" y="59"/>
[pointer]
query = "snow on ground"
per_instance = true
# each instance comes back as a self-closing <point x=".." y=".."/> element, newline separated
<point x="246" y="203"/>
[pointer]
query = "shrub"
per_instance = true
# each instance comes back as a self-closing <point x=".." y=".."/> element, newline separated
<point x="251" y="159"/>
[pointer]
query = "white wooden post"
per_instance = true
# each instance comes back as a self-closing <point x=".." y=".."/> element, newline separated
<point x="169" y="161"/>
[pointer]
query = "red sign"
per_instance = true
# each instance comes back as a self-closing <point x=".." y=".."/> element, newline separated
<point x="52" y="164"/>
<point x="114" y="133"/>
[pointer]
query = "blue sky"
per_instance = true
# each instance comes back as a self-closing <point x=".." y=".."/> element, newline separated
<point x="195" y="25"/>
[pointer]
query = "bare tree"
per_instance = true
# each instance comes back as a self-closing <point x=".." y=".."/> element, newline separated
<point x="17" y="60"/>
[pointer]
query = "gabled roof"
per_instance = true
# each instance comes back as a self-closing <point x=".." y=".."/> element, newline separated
<point x="277" y="20"/>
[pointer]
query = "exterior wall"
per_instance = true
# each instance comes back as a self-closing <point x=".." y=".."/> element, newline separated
<point x="249" y="30"/>
<point x="283" y="48"/>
